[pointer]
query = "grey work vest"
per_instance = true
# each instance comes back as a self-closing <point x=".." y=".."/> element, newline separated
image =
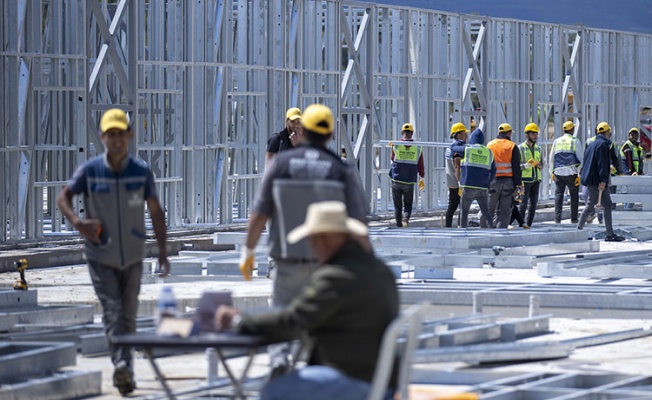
<point x="295" y="196"/>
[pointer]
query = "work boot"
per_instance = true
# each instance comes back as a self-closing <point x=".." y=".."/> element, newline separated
<point x="406" y="223"/>
<point x="614" y="238"/>
<point x="526" y="226"/>
<point x="123" y="379"/>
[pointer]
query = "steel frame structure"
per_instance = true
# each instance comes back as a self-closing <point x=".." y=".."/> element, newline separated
<point x="206" y="82"/>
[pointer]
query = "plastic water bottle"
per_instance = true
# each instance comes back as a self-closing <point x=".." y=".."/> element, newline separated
<point x="166" y="306"/>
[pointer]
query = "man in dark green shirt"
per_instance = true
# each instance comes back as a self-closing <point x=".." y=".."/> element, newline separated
<point x="344" y="309"/>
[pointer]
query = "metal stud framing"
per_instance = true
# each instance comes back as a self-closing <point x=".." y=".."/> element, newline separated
<point x="206" y="82"/>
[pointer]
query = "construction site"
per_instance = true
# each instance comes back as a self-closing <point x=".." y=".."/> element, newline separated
<point x="552" y="312"/>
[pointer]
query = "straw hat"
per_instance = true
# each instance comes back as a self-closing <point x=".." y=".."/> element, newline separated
<point x="326" y="217"/>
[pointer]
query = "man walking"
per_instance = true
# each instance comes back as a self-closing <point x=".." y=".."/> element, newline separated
<point x="530" y="172"/>
<point x="288" y="138"/>
<point x="293" y="180"/>
<point x="458" y="133"/>
<point x="116" y="187"/>
<point x="595" y="176"/>
<point x="344" y="310"/>
<point x="407" y="166"/>
<point x="478" y="170"/>
<point x="565" y="163"/>
<point x="508" y="176"/>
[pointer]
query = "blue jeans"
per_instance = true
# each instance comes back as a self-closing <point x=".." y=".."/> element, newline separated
<point x="317" y="382"/>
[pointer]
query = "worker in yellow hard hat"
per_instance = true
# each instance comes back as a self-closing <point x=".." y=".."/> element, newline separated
<point x="459" y="134"/>
<point x="596" y="174"/>
<point x="531" y="165"/>
<point x="508" y="176"/>
<point x="565" y="164"/>
<point x="407" y="167"/>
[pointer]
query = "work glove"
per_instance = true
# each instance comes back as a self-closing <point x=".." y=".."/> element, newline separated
<point x="577" y="180"/>
<point x="390" y="144"/>
<point x="459" y="192"/>
<point x="553" y="177"/>
<point x="422" y="184"/>
<point x="247" y="263"/>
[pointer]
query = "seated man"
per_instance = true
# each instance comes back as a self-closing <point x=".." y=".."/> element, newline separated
<point x="344" y="309"/>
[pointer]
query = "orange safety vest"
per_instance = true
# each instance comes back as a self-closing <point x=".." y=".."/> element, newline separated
<point x="502" y="149"/>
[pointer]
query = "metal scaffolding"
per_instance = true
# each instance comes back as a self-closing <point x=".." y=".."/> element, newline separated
<point x="206" y="82"/>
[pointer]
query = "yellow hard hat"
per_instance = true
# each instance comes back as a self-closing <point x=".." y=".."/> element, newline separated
<point x="568" y="125"/>
<point x="293" y="113"/>
<point x="318" y="118"/>
<point x="504" y="128"/>
<point x="114" y="118"/>
<point x="635" y="129"/>
<point x="603" y="127"/>
<point x="407" y="127"/>
<point x="532" y="127"/>
<point x="458" y="128"/>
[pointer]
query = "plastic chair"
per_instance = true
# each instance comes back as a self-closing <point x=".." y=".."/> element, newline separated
<point x="409" y="321"/>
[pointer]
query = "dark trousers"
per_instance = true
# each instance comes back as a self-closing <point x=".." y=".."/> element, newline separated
<point x="453" y="203"/>
<point x="529" y="203"/>
<point x="561" y="183"/>
<point x="403" y="196"/>
<point x="590" y="207"/>
<point x="516" y="215"/>
<point x="501" y="197"/>
<point x="117" y="291"/>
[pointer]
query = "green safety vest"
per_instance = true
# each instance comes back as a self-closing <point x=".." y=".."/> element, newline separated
<point x="533" y="174"/>
<point x="637" y="154"/>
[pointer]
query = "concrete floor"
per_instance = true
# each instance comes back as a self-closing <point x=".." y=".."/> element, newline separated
<point x="71" y="284"/>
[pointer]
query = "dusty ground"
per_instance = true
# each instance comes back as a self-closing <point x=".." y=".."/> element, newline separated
<point x="71" y="284"/>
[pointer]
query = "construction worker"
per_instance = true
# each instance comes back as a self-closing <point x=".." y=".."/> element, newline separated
<point x="288" y="138"/>
<point x="565" y="163"/>
<point x="617" y="168"/>
<point x="477" y="171"/>
<point x="596" y="175"/>
<point x="530" y="172"/>
<point x="293" y="180"/>
<point x="632" y="153"/>
<point x="458" y="133"/>
<point x="116" y="186"/>
<point x="508" y="176"/>
<point x="407" y="165"/>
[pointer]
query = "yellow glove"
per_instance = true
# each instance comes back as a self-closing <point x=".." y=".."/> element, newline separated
<point x="247" y="263"/>
<point x="553" y="177"/>
<point x="532" y="162"/>
<point x="390" y="144"/>
<point x="459" y="192"/>
<point x="422" y="184"/>
<point x="577" y="180"/>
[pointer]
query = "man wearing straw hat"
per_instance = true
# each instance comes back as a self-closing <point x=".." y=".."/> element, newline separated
<point x="344" y="309"/>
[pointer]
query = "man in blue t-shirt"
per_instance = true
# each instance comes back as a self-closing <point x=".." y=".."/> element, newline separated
<point x="115" y="187"/>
